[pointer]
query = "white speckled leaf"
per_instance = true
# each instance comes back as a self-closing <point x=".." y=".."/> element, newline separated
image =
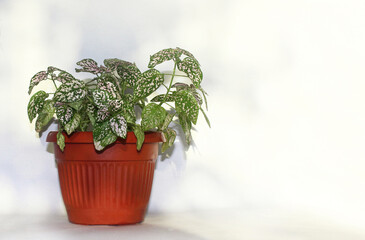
<point x="71" y="126"/>
<point x="70" y="92"/>
<point x="186" y="53"/>
<point x="64" y="114"/>
<point x="36" y="103"/>
<point x="170" y="136"/>
<point x="186" y="126"/>
<point x="162" y="56"/>
<point x="45" y="115"/>
<point x="64" y="76"/>
<point x="186" y="103"/>
<point x="147" y="84"/>
<point x="161" y="97"/>
<point x="38" y="77"/>
<point x="88" y="65"/>
<point x="167" y="121"/>
<point x="153" y="116"/>
<point x="101" y="97"/>
<point x="113" y="63"/>
<point x="102" y="114"/>
<point x="109" y="87"/>
<point x="130" y="74"/>
<point x="191" y="67"/>
<point x="103" y="135"/>
<point x="119" y="126"/>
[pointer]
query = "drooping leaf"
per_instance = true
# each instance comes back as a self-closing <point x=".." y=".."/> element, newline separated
<point x="191" y="67"/>
<point x="72" y="125"/>
<point x="103" y="135"/>
<point x="170" y="136"/>
<point x="70" y="92"/>
<point x="45" y="115"/>
<point x="167" y="121"/>
<point x="64" y="114"/>
<point x="185" y="124"/>
<point x="101" y="97"/>
<point x="52" y="69"/>
<point x="186" y="103"/>
<point x="88" y="65"/>
<point x="153" y="116"/>
<point x="36" y="103"/>
<point x="76" y="105"/>
<point x="147" y="84"/>
<point x="90" y="111"/>
<point x="162" y="56"/>
<point x="38" y="77"/>
<point x="139" y="133"/>
<point x="61" y="140"/>
<point x="130" y="74"/>
<point x="205" y="116"/>
<point x="161" y="97"/>
<point x="204" y="97"/>
<point x="118" y="124"/>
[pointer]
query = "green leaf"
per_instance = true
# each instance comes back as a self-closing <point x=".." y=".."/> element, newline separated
<point x="162" y="56"/>
<point x="139" y="133"/>
<point x="118" y="124"/>
<point x="147" y="84"/>
<point x="191" y="67"/>
<point x="129" y="73"/>
<point x="101" y="97"/>
<point x="187" y="53"/>
<point x="90" y="111"/>
<point x="167" y="121"/>
<point x="52" y="69"/>
<point x="89" y="65"/>
<point x="205" y="116"/>
<point x="170" y="136"/>
<point x="186" y="127"/>
<point x="186" y="103"/>
<point x="36" y="103"/>
<point x="76" y="105"/>
<point x="103" y="135"/>
<point x="204" y="96"/>
<point x="161" y="97"/>
<point x="153" y="116"/>
<point x="70" y="92"/>
<point x="61" y="140"/>
<point x="71" y="126"/>
<point x="64" y="114"/>
<point x="38" y="77"/>
<point x="45" y="115"/>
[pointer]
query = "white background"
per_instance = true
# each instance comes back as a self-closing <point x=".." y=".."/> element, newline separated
<point x="286" y="83"/>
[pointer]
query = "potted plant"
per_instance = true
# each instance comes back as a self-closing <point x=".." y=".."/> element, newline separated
<point x="104" y="149"/>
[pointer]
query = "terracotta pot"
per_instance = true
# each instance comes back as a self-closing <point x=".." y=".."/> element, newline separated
<point x="109" y="187"/>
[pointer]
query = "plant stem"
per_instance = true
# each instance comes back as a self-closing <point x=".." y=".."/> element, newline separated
<point x="168" y="89"/>
<point x="92" y="80"/>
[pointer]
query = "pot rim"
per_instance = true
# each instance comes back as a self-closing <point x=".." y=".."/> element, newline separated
<point x="87" y="137"/>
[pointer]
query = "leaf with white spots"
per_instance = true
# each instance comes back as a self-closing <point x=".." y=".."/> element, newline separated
<point x="139" y="133"/>
<point x="167" y="121"/>
<point x="103" y="135"/>
<point x="161" y="98"/>
<point x="150" y="81"/>
<point x="109" y="87"/>
<point x="36" y="103"/>
<point x="170" y="136"/>
<point x="72" y="125"/>
<point x="129" y="73"/>
<point x="64" y="76"/>
<point x="186" y="53"/>
<point x="185" y="124"/>
<point x="101" y="97"/>
<point x="118" y="124"/>
<point x="70" y="92"/>
<point x="186" y="103"/>
<point x="191" y="67"/>
<point x="90" y="111"/>
<point x="153" y="116"/>
<point x="162" y="56"/>
<point x="113" y="63"/>
<point x="102" y="114"/>
<point x="45" y="115"/>
<point x="38" y="77"/>
<point x="89" y="65"/>
<point x="64" y="114"/>
<point x="61" y="140"/>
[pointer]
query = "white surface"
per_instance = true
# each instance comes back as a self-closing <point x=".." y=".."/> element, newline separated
<point x="267" y="224"/>
<point x="286" y="86"/>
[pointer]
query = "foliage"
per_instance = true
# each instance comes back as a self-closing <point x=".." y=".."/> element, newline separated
<point x="106" y="103"/>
